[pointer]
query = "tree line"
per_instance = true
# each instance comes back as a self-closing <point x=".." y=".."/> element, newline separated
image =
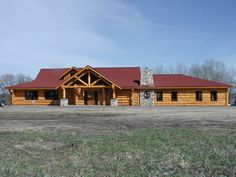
<point x="209" y="70"/>
<point x="9" y="80"/>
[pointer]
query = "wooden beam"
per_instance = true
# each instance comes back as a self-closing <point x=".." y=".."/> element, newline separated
<point x="113" y="92"/>
<point x="88" y="68"/>
<point x="96" y="81"/>
<point x="78" y="77"/>
<point x="100" y="77"/>
<point x="103" y="97"/>
<point x="64" y="93"/>
<point x="83" y="82"/>
<point x="69" y="71"/>
<point x="70" y="83"/>
<point x="89" y="78"/>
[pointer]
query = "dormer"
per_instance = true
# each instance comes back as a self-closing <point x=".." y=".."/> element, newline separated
<point x="69" y="73"/>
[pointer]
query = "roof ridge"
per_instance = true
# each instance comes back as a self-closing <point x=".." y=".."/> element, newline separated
<point x="115" y="67"/>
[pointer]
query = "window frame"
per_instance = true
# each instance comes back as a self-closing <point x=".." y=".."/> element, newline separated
<point x="47" y="97"/>
<point x="172" y="98"/>
<point x="157" y="98"/>
<point x="196" y="96"/>
<point x="216" y="95"/>
<point x="28" y="96"/>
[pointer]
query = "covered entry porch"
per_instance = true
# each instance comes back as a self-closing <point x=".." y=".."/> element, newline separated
<point x="87" y="87"/>
<point x="88" y="96"/>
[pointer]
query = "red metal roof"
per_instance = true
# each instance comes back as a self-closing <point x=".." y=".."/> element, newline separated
<point x="125" y="77"/>
<point x="50" y="78"/>
<point x="47" y="78"/>
<point x="180" y="80"/>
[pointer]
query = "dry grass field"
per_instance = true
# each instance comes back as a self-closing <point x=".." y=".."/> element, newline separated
<point x="117" y="141"/>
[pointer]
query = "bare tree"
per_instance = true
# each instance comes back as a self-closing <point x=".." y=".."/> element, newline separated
<point x="213" y="70"/>
<point x="159" y="70"/>
<point x="179" y="68"/>
<point x="9" y="80"/>
<point x="209" y="70"/>
<point x="21" y="78"/>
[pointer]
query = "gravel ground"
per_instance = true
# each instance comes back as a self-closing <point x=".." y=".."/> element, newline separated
<point x="103" y="119"/>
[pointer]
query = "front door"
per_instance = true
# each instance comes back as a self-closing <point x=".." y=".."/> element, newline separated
<point x="91" y="97"/>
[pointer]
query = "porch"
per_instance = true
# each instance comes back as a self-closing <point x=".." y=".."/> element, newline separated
<point x="88" y="96"/>
<point x="87" y="87"/>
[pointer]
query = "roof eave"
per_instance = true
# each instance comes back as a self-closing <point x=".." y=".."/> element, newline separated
<point x="30" y="88"/>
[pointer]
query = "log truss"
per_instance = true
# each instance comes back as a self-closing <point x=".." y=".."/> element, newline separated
<point x="88" y="79"/>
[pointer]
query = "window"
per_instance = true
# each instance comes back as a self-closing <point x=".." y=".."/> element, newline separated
<point x="213" y="96"/>
<point x="31" y="95"/>
<point x="159" y="96"/>
<point x="51" y="95"/>
<point x="198" y="96"/>
<point x="174" y="96"/>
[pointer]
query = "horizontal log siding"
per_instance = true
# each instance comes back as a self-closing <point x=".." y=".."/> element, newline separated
<point x="135" y="96"/>
<point x="100" y="97"/>
<point x="123" y="97"/>
<point x="108" y="96"/>
<point x="18" y="98"/>
<point x="187" y="97"/>
<point x="70" y="95"/>
<point x="79" y="98"/>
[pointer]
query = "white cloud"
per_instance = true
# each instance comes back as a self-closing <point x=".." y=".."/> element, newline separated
<point x="58" y="32"/>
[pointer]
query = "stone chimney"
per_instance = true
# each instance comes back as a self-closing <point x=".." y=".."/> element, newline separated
<point x="146" y="94"/>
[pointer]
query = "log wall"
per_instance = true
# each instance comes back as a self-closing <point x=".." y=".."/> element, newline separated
<point x="71" y="96"/>
<point x="123" y="97"/>
<point x="187" y="97"/>
<point x="135" y="97"/>
<point x="18" y="98"/>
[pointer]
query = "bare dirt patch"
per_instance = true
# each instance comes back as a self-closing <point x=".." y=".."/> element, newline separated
<point x="96" y="120"/>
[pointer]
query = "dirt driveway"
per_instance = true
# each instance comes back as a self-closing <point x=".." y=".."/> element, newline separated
<point x="93" y="120"/>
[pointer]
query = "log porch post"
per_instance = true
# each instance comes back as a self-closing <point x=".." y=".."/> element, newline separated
<point x="227" y="97"/>
<point x="113" y="92"/>
<point x="89" y="78"/>
<point x="103" y="97"/>
<point x="12" y="93"/>
<point x="63" y="92"/>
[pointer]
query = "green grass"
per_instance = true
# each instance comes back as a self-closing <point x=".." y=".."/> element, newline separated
<point x="149" y="152"/>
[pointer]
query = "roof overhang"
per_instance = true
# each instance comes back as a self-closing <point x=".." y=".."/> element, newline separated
<point x="29" y="88"/>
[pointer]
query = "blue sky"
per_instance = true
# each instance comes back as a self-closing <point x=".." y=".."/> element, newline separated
<point x="65" y="33"/>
